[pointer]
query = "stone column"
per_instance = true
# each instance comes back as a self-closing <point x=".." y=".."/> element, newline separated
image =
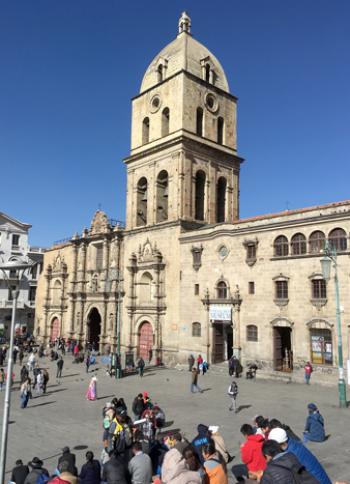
<point x="237" y="301"/>
<point x="48" y="277"/>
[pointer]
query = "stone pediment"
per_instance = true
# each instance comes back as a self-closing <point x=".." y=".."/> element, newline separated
<point x="147" y="252"/>
<point x="99" y="224"/>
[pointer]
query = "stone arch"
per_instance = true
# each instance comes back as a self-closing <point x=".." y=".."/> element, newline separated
<point x="142" y="198"/>
<point x="162" y="186"/>
<point x="282" y="322"/>
<point x="319" y="323"/>
<point x="94" y="326"/>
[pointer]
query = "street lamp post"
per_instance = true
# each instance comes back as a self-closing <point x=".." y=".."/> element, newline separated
<point x="330" y="256"/>
<point x="20" y="267"/>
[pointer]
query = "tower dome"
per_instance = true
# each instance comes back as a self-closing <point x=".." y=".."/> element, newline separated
<point x="185" y="53"/>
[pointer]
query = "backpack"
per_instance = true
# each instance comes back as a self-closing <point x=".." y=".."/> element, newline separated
<point x="42" y="479"/>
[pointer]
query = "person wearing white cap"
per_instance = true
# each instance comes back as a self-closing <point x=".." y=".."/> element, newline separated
<point x="304" y="456"/>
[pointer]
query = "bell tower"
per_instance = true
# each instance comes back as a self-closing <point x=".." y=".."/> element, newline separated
<point x="183" y="165"/>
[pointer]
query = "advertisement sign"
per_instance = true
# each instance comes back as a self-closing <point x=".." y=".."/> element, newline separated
<point x="220" y="312"/>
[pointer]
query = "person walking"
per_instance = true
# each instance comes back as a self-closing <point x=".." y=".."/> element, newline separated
<point x="60" y="363"/>
<point x="87" y="362"/>
<point x="2" y="378"/>
<point x="190" y="362"/>
<point x="21" y="356"/>
<point x="232" y="393"/>
<point x="199" y="361"/>
<point x="141" y="366"/>
<point x="194" y="381"/>
<point x="25" y="393"/>
<point x="308" y="370"/>
<point x="138" y="406"/>
<point x="91" y="393"/>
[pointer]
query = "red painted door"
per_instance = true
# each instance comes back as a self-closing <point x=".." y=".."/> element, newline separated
<point x="145" y="340"/>
<point x="55" y="329"/>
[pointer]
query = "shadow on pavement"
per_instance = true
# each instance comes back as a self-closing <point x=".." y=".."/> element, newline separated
<point x="242" y="407"/>
<point x="41" y="404"/>
<point x="105" y="396"/>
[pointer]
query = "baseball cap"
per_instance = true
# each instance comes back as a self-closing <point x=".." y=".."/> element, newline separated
<point x="279" y="435"/>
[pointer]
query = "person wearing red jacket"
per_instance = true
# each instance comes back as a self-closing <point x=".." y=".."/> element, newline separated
<point x="252" y="457"/>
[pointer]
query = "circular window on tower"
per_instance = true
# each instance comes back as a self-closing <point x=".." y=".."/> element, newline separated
<point x="155" y="103"/>
<point x="211" y="102"/>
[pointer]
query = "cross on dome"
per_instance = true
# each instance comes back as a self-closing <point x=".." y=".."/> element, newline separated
<point x="184" y="23"/>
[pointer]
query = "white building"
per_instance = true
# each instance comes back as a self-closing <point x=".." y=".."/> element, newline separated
<point x="14" y="245"/>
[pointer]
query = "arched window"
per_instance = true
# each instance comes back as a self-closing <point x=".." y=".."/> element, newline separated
<point x="146" y="288"/>
<point x="220" y="139"/>
<point x="141" y="217"/>
<point x="160" y="73"/>
<point x="221" y="199"/>
<point x="316" y="241"/>
<point x="56" y="293"/>
<point x="207" y="72"/>
<point x="165" y="121"/>
<point x="200" y="192"/>
<point x="298" y="244"/>
<point x="145" y="131"/>
<point x="221" y="290"/>
<point x="196" y="329"/>
<point x="199" y="122"/>
<point x="281" y="246"/>
<point x="337" y="239"/>
<point x="252" y="332"/>
<point x="162" y="196"/>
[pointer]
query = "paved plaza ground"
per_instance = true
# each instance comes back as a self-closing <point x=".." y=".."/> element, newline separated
<point x="65" y="417"/>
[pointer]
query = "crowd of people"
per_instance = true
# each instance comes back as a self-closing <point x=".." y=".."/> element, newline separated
<point x="136" y="448"/>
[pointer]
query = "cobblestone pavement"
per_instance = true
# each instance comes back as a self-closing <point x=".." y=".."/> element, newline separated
<point x="64" y="417"/>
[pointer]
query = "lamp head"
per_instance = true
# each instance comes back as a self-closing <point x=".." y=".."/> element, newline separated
<point x="326" y="268"/>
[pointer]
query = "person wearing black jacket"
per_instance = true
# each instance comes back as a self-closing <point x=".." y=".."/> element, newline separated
<point x="114" y="470"/>
<point x="67" y="456"/>
<point x="19" y="472"/>
<point x="138" y="406"/>
<point x="283" y="467"/>
<point x="91" y="471"/>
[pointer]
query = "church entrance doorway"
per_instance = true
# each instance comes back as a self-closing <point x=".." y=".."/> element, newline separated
<point x="229" y="341"/>
<point x="283" y="354"/>
<point x="55" y="329"/>
<point x="94" y="328"/>
<point x="218" y="343"/>
<point x="145" y="341"/>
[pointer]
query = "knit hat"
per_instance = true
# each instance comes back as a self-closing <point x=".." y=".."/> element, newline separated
<point x="35" y="462"/>
<point x="279" y="435"/>
<point x="312" y="406"/>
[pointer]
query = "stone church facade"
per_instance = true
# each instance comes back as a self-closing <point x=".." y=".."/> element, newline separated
<point x="186" y="274"/>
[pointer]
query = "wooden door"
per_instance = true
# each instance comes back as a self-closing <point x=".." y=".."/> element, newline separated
<point x="145" y="341"/>
<point x="55" y="329"/>
<point x="277" y="349"/>
<point x="218" y="343"/>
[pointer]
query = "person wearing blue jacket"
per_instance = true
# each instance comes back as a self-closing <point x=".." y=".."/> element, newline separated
<point x="304" y="456"/>
<point x="314" y="427"/>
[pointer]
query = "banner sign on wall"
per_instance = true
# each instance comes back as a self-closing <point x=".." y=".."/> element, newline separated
<point x="220" y="312"/>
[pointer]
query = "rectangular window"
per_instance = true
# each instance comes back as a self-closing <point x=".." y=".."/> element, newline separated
<point x="321" y="346"/>
<point x="15" y="240"/>
<point x="251" y="251"/>
<point x="34" y="271"/>
<point x="319" y="289"/>
<point x="281" y="288"/>
<point x="251" y="287"/>
<point x="99" y="256"/>
<point x="12" y="288"/>
<point x="196" y="289"/>
<point x="32" y="293"/>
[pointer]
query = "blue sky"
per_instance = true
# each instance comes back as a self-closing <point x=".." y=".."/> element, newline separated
<point x="70" y="67"/>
